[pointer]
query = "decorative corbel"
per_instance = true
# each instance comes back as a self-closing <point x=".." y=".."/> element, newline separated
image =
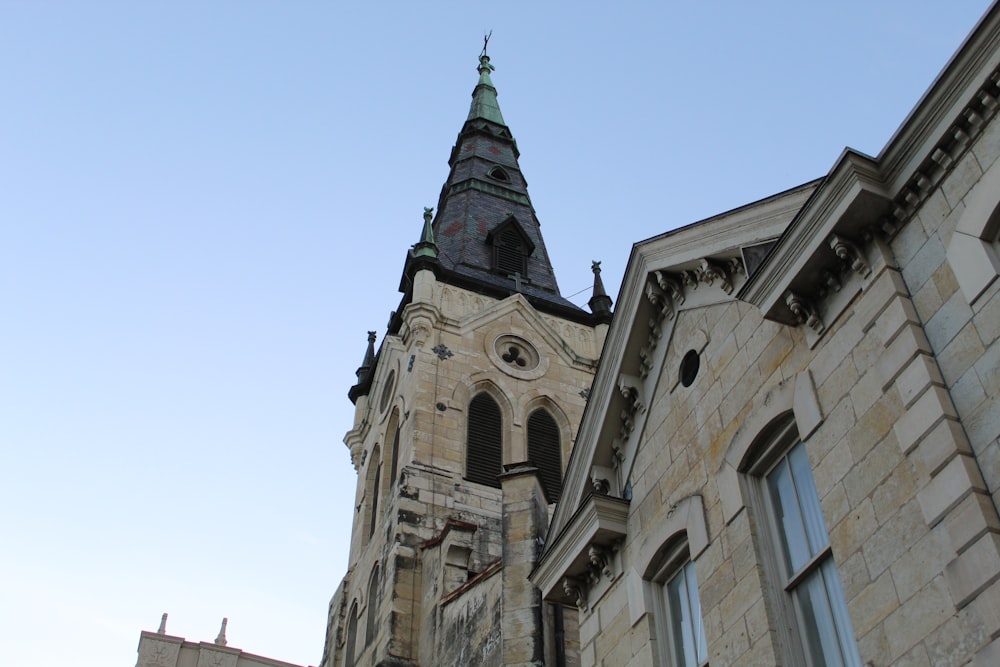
<point x="829" y="282"/>
<point x="804" y="312"/>
<point x="600" y="560"/>
<point x="850" y="254"/>
<point x="670" y="286"/>
<point x="576" y="589"/>
<point x="689" y="279"/>
<point x="709" y="271"/>
<point x="664" y="308"/>
<point x="618" y="451"/>
<point x="629" y="388"/>
<point x="645" y="360"/>
<point x="599" y="484"/>
<point x="628" y="423"/>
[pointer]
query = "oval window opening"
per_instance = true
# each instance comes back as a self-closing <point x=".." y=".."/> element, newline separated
<point x="689" y="367"/>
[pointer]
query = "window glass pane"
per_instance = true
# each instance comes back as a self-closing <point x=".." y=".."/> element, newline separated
<point x="805" y="486"/>
<point x="845" y="633"/>
<point x="687" y="631"/>
<point x="681" y="628"/>
<point x="821" y="635"/>
<point x="795" y="550"/>
<point x="700" y="645"/>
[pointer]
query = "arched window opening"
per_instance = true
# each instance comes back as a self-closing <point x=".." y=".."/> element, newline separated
<point x="392" y="431"/>
<point x="350" y="641"/>
<point x="678" y="609"/>
<point x="544" y="451"/>
<point x="797" y="554"/>
<point x="484" y="443"/>
<point x="499" y="173"/>
<point x="372" y="491"/>
<point x="371" y="617"/>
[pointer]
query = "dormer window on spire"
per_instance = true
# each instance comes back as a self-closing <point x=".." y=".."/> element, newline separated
<point x="498" y="173"/>
<point x="511" y="248"/>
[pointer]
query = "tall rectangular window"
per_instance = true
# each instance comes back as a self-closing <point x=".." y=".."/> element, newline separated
<point x="679" y="620"/>
<point x="805" y="561"/>
<point x="684" y="611"/>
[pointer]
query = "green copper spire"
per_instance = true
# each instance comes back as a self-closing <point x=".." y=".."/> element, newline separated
<point x="426" y="246"/>
<point x="484" y="97"/>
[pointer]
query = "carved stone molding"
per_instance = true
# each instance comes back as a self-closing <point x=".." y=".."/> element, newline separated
<point x="849" y="254"/>
<point x="577" y="590"/>
<point x="804" y="311"/>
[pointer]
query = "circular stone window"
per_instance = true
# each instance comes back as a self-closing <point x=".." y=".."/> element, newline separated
<point x="689" y="367"/>
<point x="390" y="382"/>
<point x="516" y="353"/>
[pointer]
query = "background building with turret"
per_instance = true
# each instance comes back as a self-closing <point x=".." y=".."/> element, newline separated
<point x="783" y="449"/>
<point x="789" y="454"/>
<point x="465" y="419"/>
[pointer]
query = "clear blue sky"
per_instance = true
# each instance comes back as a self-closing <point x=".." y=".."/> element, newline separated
<point x="205" y="206"/>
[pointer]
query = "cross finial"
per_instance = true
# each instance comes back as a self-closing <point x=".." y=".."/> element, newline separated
<point x="486" y="41"/>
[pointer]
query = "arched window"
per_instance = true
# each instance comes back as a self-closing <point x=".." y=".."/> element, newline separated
<point x="545" y="453"/>
<point x="484" y="443"/>
<point x="796" y="549"/>
<point x="350" y="641"/>
<point x="376" y="483"/>
<point x="678" y="609"/>
<point x="666" y="558"/>
<point x="371" y="617"/>
<point x="393" y="432"/>
<point x="498" y="173"/>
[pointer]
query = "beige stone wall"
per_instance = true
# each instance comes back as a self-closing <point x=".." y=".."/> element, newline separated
<point x="962" y="335"/>
<point x="444" y="354"/>
<point x="904" y="454"/>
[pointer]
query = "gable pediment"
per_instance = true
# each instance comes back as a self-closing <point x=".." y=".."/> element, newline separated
<point x="692" y="267"/>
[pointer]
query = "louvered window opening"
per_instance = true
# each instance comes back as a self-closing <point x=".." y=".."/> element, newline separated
<point x="509" y="254"/>
<point x="544" y="452"/>
<point x="484" y="448"/>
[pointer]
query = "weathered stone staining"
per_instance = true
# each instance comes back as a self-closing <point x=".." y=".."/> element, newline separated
<point x="854" y="370"/>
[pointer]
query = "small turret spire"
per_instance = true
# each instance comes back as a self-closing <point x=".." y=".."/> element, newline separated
<point x="426" y="248"/>
<point x="366" y="364"/>
<point x="364" y="371"/>
<point x="600" y="302"/>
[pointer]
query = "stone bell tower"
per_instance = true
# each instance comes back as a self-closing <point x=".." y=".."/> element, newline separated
<point x="465" y="417"/>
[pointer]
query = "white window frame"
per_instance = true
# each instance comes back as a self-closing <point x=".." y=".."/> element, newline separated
<point x="813" y="557"/>
<point x="678" y="642"/>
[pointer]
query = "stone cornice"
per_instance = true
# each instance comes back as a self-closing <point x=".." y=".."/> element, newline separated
<point x="805" y="264"/>
<point x="633" y="343"/>
<point x="582" y="552"/>
<point x="946" y="104"/>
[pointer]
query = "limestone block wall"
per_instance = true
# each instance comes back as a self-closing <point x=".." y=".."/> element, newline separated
<point x="912" y="528"/>
<point x="962" y="327"/>
<point x="435" y="531"/>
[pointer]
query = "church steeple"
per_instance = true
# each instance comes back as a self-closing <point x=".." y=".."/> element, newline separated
<point x="484" y="97"/>
<point x="486" y="233"/>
